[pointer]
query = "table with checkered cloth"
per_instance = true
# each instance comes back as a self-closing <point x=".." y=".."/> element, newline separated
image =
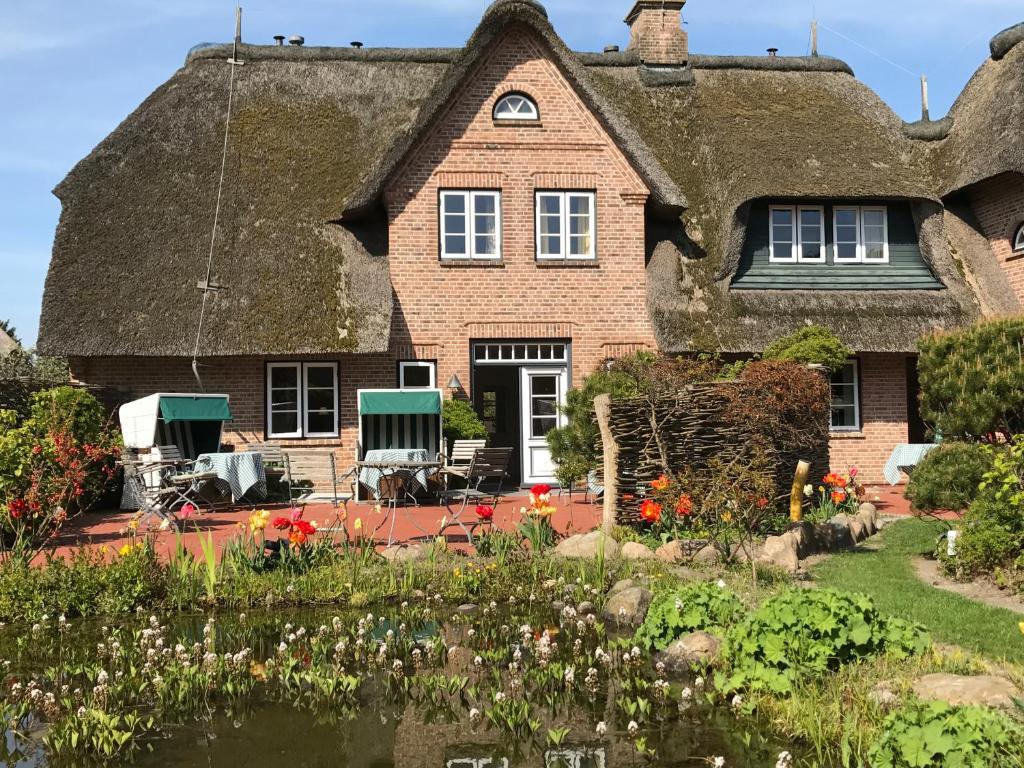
<point x="241" y="473"/>
<point x="905" y="456"/>
<point x="370" y="477"/>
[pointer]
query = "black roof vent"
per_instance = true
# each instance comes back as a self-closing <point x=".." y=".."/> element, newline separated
<point x="296" y="40"/>
<point x="356" y="44"/>
<point x="611" y="49"/>
<point x="279" y="39"/>
<point x="773" y="52"/>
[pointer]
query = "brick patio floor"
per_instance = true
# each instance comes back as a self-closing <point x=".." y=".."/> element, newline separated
<point x="110" y="529"/>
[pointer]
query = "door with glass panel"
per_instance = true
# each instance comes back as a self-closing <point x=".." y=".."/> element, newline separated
<point x="543" y="392"/>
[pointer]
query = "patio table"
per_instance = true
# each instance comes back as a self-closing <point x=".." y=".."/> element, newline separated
<point x="241" y="474"/>
<point x="413" y="464"/>
<point x="905" y="456"/>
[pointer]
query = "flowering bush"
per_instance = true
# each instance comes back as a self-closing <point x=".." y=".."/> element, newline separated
<point x="53" y="464"/>
<point x="536" y="518"/>
<point x="838" y="493"/>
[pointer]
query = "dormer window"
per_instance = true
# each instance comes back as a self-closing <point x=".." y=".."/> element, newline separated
<point x="516" y="106"/>
<point x="1018" y="240"/>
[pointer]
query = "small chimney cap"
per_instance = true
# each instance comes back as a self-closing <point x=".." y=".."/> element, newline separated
<point x="279" y="39"/>
<point x="356" y="44"/>
<point x="773" y="52"/>
<point x="296" y="40"/>
<point x="611" y="49"/>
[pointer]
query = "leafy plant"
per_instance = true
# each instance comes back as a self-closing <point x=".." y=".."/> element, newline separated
<point x="970" y="380"/>
<point x="810" y="345"/>
<point x="461" y="421"/>
<point x="948" y="477"/>
<point x="937" y="734"/>
<point x="803" y="633"/>
<point x="690" y="608"/>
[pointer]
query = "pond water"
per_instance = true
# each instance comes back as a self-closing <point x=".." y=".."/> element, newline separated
<point x="496" y="687"/>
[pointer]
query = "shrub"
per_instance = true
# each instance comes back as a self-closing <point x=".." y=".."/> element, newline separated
<point x="948" y="477"/>
<point x="810" y="345"/>
<point x="460" y="421"/>
<point x="803" y="633"/>
<point x="970" y="380"/>
<point x="690" y="608"/>
<point x="937" y="734"/>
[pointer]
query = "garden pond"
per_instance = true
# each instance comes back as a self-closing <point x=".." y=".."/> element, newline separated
<point x="537" y="681"/>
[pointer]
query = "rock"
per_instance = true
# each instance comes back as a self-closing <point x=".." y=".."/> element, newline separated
<point x="781" y="551"/>
<point x="858" y="532"/>
<point x="868" y="508"/>
<point x="586" y="546"/>
<point x="868" y="521"/>
<point x="621" y="585"/>
<point x="834" y="534"/>
<point x="960" y="690"/>
<point x="698" y="649"/>
<point x="708" y="555"/>
<point x="557" y="605"/>
<point x="884" y="697"/>
<point x="460" y="659"/>
<point x="629" y="606"/>
<point x="806" y="540"/>
<point x="585" y="608"/>
<point x="467" y="609"/>
<point x="404" y="553"/>
<point x="634" y="550"/>
<point x="671" y="552"/>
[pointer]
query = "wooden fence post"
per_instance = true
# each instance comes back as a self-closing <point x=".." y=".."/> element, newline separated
<point x="610" y="451"/>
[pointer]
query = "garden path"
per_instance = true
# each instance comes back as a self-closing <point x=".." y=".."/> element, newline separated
<point x="982" y="591"/>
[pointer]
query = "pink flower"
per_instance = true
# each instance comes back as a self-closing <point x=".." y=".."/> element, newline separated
<point x="296" y="514"/>
<point x="187" y="511"/>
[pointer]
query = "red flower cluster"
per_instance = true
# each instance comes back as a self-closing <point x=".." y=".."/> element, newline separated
<point x="299" y="530"/>
<point x="650" y="511"/>
<point x="484" y="511"/>
<point x="684" y="507"/>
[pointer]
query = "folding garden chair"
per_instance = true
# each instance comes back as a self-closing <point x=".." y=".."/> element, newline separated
<point x="488" y="467"/>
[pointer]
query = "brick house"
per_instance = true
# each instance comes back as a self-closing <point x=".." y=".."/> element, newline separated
<point x="510" y="215"/>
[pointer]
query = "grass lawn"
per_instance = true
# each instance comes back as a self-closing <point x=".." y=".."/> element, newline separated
<point x="888" y="576"/>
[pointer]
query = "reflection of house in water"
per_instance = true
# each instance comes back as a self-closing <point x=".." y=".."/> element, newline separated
<point x="575" y="757"/>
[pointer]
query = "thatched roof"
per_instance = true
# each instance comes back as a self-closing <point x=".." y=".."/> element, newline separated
<point x="987" y="134"/>
<point x="316" y="132"/>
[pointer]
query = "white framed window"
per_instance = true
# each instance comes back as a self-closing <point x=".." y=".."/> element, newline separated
<point x="417" y="374"/>
<point x="861" y="234"/>
<point x="797" y="234"/>
<point x="529" y="352"/>
<point x="1018" y="240"/>
<point x="470" y="224"/>
<point x="302" y="400"/>
<point x="516" y="106"/>
<point x="566" y="225"/>
<point x="846" y="398"/>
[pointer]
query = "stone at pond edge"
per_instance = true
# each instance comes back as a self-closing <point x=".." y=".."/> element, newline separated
<point x="585" y="608"/>
<point x="634" y="550"/>
<point x="628" y="607"/>
<point x="834" y="534"/>
<point x="959" y="690"/>
<point x="695" y="649"/>
<point x="467" y="608"/>
<point x="621" y="585"/>
<point x="884" y="697"/>
<point x="671" y="552"/>
<point x="404" y="553"/>
<point x="781" y="551"/>
<point x="586" y="546"/>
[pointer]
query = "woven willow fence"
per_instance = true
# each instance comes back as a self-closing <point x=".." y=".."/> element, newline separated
<point x="693" y="430"/>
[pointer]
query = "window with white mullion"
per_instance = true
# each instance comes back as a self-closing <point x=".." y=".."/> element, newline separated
<point x="470" y="225"/>
<point x="874" y="235"/>
<point x="320" y="396"/>
<point x="846" y="234"/>
<point x="566" y="225"/>
<point x="782" y="234"/>
<point x="811" y="234"/>
<point x="845" y="384"/>
<point x="284" y="402"/>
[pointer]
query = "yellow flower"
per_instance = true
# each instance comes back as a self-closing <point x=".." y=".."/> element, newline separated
<point x="133" y="524"/>
<point x="258" y="520"/>
<point x="358" y="524"/>
<point x="125" y="550"/>
<point x="727" y="517"/>
<point x="457" y="573"/>
<point x="1021" y="627"/>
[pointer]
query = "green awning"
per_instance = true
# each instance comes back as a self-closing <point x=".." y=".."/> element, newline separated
<point x="194" y="409"/>
<point x="410" y="402"/>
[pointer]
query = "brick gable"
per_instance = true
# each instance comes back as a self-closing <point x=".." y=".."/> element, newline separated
<point x="600" y="305"/>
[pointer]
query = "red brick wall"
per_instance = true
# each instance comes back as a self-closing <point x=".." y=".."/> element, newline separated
<point x="999" y="205"/>
<point x="883" y="399"/>
<point x="600" y="305"/>
<point x="244" y="380"/>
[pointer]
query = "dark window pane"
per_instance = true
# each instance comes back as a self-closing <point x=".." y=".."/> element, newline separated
<point x="284" y="399"/>
<point x="455" y="245"/>
<point x="454" y="204"/>
<point x="416" y="376"/>
<point x="320" y="400"/>
<point x="284" y="377"/>
<point x="542" y="426"/>
<point x="545" y="385"/>
<point x="284" y="423"/>
<point x="320" y="376"/>
<point x="321" y="422"/>
<point x="544" y="407"/>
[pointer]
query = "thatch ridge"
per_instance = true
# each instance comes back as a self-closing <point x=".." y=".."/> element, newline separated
<point x="666" y="197"/>
<point x="1004" y="42"/>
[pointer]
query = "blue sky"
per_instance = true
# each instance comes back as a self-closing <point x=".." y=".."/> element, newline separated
<point x="71" y="70"/>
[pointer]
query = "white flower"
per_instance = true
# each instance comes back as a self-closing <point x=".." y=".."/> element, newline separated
<point x="737" y="701"/>
<point x="698" y="683"/>
<point x="719" y="762"/>
<point x="686" y="695"/>
<point x="785" y="760"/>
<point x="499" y="697"/>
<point x="721" y="584"/>
<point x="632" y="728"/>
<point x="601" y="729"/>
<point x="474" y="716"/>
<point x="478" y="661"/>
<point x="808" y="492"/>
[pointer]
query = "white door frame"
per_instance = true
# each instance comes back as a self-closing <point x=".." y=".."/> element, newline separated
<point x="536" y="447"/>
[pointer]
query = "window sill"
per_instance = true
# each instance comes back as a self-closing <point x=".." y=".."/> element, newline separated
<point x="568" y="263"/>
<point x="473" y="263"/>
<point x="1015" y="255"/>
<point x="846" y="434"/>
<point x="302" y="438"/>
<point x="517" y="123"/>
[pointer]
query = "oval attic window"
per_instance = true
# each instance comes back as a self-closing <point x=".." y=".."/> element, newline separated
<point x="516" y="106"/>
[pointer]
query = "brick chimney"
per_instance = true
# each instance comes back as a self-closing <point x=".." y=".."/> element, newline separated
<point x="656" y="32"/>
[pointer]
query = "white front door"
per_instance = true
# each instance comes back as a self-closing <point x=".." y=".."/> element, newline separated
<point x="543" y="391"/>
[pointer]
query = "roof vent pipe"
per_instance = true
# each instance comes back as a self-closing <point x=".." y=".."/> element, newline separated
<point x="356" y="44"/>
<point x="924" y="98"/>
<point x="296" y="40"/>
<point x="773" y="52"/>
<point x="611" y="49"/>
<point x="279" y="39"/>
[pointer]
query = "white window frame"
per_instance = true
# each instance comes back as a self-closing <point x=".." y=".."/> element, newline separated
<point x="1018" y="241"/>
<point x="404" y="364"/>
<point x="564" y="216"/>
<point x="532" y="115"/>
<point x="302" y="381"/>
<point x="859" y="211"/>
<point x="796" y="234"/>
<point x="470" y="197"/>
<point x="858" y="421"/>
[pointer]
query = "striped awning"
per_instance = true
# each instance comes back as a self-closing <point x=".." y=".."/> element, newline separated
<point x="400" y="403"/>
